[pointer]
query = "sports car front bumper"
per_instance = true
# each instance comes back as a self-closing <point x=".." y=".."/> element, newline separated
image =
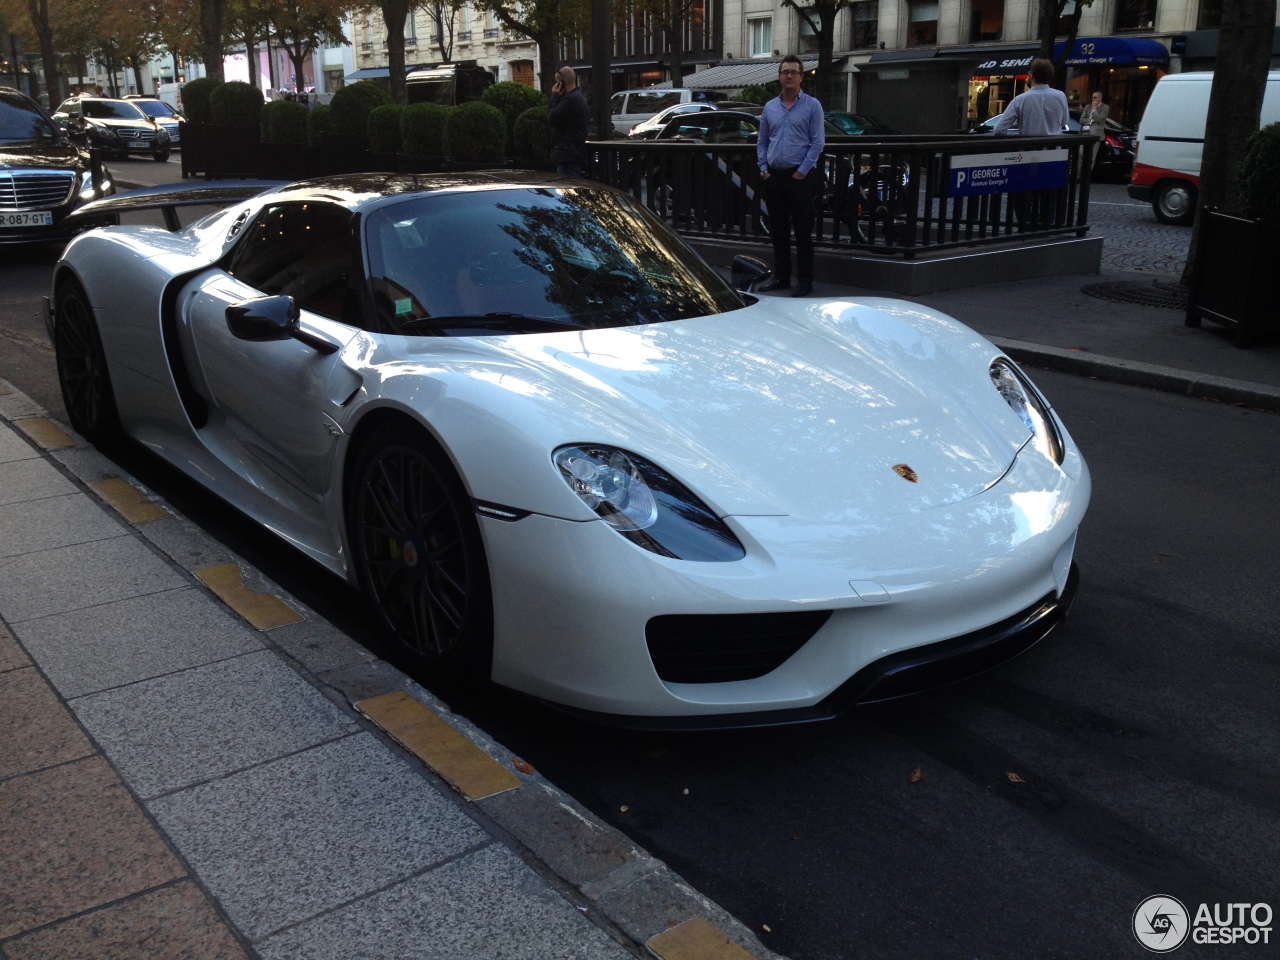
<point x="961" y="588"/>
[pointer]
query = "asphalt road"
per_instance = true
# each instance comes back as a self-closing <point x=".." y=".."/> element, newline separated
<point x="1133" y="753"/>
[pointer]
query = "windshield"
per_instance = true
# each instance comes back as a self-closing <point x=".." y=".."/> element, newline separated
<point x="19" y="123"/>
<point x="154" y="108"/>
<point x="498" y="262"/>
<point x="110" y="110"/>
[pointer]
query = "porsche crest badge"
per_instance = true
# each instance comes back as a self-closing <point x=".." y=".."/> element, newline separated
<point x="905" y="472"/>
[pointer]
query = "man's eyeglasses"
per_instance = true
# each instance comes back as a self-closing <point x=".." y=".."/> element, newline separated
<point x="792" y="72"/>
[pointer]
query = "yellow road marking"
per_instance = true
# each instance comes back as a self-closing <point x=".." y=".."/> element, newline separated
<point x="466" y="767"/>
<point x="44" y="432"/>
<point x="263" y="610"/>
<point x="696" y="939"/>
<point x="127" y="500"/>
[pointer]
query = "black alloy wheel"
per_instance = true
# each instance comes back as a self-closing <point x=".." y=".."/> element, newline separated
<point x="160" y="156"/>
<point x="82" y="368"/>
<point x="416" y="545"/>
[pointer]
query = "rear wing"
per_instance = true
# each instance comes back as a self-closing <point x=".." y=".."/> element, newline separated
<point x="167" y="198"/>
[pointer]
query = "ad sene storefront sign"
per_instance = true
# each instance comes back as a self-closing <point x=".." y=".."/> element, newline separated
<point x="1005" y="66"/>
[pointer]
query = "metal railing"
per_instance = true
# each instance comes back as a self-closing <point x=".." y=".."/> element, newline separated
<point x="888" y="195"/>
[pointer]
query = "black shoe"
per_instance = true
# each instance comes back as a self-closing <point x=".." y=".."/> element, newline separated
<point x="803" y="288"/>
<point x="777" y="283"/>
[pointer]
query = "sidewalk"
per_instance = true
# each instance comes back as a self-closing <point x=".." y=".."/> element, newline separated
<point x="192" y="766"/>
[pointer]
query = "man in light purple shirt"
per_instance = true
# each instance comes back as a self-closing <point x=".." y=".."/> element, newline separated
<point x="790" y="144"/>
<point x="1039" y="110"/>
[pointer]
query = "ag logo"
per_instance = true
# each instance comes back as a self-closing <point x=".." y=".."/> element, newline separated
<point x="1161" y="924"/>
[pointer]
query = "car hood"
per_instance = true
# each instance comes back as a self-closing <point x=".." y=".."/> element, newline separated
<point x="778" y="409"/>
<point x="117" y="124"/>
<point x="21" y="155"/>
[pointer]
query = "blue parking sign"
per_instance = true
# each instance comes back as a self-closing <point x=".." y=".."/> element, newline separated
<point x="1006" y="172"/>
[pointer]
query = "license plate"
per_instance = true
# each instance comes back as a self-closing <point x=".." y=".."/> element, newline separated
<point x="29" y="218"/>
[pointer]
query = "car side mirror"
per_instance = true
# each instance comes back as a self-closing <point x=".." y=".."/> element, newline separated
<point x="746" y="272"/>
<point x="272" y="318"/>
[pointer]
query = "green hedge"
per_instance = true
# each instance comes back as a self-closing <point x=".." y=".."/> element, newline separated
<point x="422" y="129"/>
<point x="475" y="133"/>
<point x="319" y="122"/>
<point x="285" y="121"/>
<point x="384" y="128"/>
<point x="195" y="99"/>
<point x="513" y="99"/>
<point x="236" y="103"/>
<point x="351" y="106"/>
<point x="533" y="135"/>
<point x="1259" y="175"/>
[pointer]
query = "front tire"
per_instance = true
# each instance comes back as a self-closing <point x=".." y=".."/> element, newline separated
<point x="1175" y="203"/>
<point x="417" y="551"/>
<point x="160" y="156"/>
<point x="82" y="368"/>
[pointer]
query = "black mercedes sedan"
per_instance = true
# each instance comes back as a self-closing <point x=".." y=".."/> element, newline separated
<point x="43" y="175"/>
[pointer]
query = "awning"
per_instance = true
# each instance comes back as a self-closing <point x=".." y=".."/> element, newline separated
<point x="382" y="73"/>
<point x="736" y="74"/>
<point x="1113" y="51"/>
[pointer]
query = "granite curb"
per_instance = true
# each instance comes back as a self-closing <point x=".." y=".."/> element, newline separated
<point x="622" y="889"/>
<point x="1136" y="373"/>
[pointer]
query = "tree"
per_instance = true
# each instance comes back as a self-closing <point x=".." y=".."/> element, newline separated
<point x="212" y="15"/>
<point x="394" y="14"/>
<point x="1235" y="106"/>
<point x="248" y="21"/>
<point x="1051" y="12"/>
<point x="176" y="28"/>
<point x="39" y="11"/>
<point x="443" y="15"/>
<point x="820" y="15"/>
<point x="302" y="25"/>
<point x="544" y="22"/>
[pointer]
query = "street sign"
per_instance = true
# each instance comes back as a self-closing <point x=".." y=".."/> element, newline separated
<point x="977" y="173"/>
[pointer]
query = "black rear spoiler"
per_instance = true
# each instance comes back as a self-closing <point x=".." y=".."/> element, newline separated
<point x="168" y="197"/>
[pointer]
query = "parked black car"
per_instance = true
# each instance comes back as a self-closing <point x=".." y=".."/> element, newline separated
<point x="161" y="113"/>
<point x="724" y="126"/>
<point x="115" y="127"/>
<point x="43" y="175"/>
<point x="859" y="124"/>
<point x="1114" y="159"/>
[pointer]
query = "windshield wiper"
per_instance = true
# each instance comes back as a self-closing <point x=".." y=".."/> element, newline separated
<point x="501" y="320"/>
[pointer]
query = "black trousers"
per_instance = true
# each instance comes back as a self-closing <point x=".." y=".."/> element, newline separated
<point x="790" y="203"/>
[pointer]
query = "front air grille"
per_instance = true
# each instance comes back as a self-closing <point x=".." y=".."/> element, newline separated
<point x="35" y="189"/>
<point x="142" y="136"/>
<point x="709" y="648"/>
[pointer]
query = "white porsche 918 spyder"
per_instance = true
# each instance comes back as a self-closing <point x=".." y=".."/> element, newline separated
<point x="553" y="447"/>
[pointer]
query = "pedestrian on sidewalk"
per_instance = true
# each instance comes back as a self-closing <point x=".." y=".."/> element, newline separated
<point x="569" y="117"/>
<point x="1040" y="110"/>
<point x="788" y="149"/>
<point x="1093" y="118"/>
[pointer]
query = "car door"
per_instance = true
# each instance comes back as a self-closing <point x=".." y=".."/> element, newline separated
<point x="274" y="403"/>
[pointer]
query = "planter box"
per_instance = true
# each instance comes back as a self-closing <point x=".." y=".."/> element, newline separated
<point x="413" y="163"/>
<point x="1235" y="275"/>
<point x="192" y="137"/>
<point x="231" y="151"/>
<point x="286" y="161"/>
<point x="342" y="153"/>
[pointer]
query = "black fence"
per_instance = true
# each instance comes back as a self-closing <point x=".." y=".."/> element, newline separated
<point x="887" y="195"/>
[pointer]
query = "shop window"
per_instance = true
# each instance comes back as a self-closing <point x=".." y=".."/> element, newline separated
<point x="808" y="39"/>
<point x="1210" y="16"/>
<point x="1135" y="15"/>
<point x="1064" y="20"/>
<point x="866" y="17"/>
<point x="986" y="20"/>
<point x="922" y="27"/>
<point x="760" y="35"/>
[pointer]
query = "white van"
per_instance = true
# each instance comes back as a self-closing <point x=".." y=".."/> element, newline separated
<point x="1171" y="141"/>
<point x="630" y="107"/>
<point x="171" y="93"/>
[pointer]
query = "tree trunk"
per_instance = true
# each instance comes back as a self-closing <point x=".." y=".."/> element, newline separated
<point x="137" y="75"/>
<point x="1235" y="106"/>
<point x="826" y="55"/>
<point x="39" y="10"/>
<point x="251" y="54"/>
<point x="675" y="43"/>
<point x="212" y="13"/>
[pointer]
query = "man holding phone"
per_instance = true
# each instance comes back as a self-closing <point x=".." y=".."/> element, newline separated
<point x="569" y="117"/>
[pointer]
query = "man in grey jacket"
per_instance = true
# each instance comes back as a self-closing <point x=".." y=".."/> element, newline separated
<point x="1093" y="118"/>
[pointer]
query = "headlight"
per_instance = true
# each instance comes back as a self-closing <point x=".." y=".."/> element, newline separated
<point x="86" y="186"/>
<point x="646" y="504"/>
<point x="1026" y="402"/>
<point x="106" y="133"/>
<point x="162" y="135"/>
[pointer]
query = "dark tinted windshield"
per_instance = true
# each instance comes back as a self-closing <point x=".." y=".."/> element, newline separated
<point x="21" y="123"/>
<point x="154" y="108"/>
<point x="529" y="261"/>
<point x="110" y="110"/>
